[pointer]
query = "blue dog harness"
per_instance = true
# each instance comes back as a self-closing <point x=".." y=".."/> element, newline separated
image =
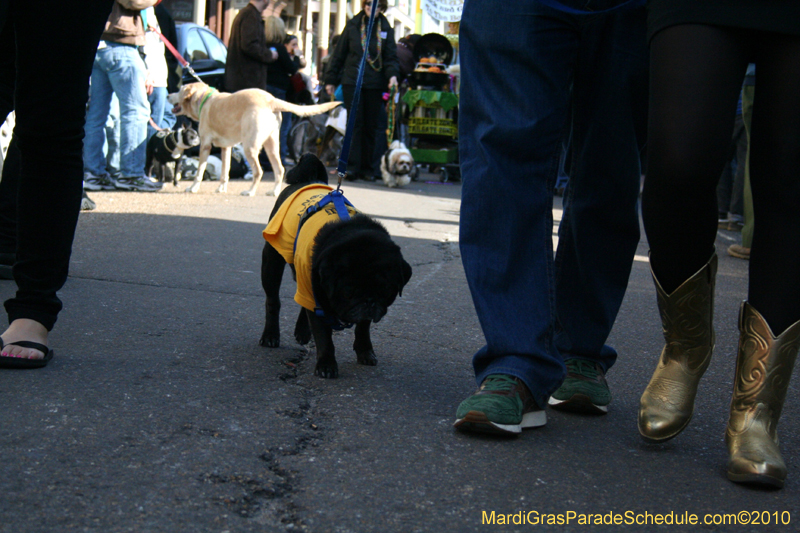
<point x="340" y="203"/>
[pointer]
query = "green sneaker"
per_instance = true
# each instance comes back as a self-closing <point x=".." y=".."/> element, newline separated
<point x="584" y="389"/>
<point x="503" y="405"/>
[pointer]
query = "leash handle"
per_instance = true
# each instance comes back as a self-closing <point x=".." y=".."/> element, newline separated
<point x="351" y="117"/>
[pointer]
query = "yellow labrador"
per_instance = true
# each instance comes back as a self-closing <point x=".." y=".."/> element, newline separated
<point x="250" y="116"/>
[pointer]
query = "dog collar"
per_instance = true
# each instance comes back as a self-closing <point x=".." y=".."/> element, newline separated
<point x="208" y="94"/>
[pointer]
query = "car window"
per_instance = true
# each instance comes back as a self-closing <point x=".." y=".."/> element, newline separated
<point x="216" y="50"/>
<point x="195" y="47"/>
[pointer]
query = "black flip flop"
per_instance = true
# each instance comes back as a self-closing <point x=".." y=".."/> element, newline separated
<point x="19" y="362"/>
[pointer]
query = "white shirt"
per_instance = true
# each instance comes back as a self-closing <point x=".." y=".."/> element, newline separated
<point x="154" y="50"/>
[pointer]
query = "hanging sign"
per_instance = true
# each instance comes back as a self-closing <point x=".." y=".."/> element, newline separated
<point x="444" y="10"/>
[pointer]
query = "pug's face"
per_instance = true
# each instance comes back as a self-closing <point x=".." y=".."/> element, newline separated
<point x="361" y="276"/>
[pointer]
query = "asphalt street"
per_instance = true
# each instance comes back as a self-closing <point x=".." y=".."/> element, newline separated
<point x="161" y="413"/>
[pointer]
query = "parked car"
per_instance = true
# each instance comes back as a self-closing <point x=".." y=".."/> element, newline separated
<point x="205" y="52"/>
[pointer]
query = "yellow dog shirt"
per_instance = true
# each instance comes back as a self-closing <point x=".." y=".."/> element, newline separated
<point x="282" y="230"/>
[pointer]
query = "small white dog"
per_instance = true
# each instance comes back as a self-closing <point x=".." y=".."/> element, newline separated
<point x="397" y="165"/>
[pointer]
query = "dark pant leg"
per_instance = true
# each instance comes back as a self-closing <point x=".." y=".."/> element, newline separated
<point x="736" y="205"/>
<point x="373" y="107"/>
<point x="599" y="229"/>
<point x="506" y="226"/>
<point x="8" y="185"/>
<point x="49" y="130"/>
<point x="354" y="157"/>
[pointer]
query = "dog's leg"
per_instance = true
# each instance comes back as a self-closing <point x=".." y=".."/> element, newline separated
<point x="302" y="329"/>
<point x="205" y="151"/>
<point x="272" y="266"/>
<point x="323" y="338"/>
<point x="365" y="355"/>
<point x="226" y="168"/>
<point x="273" y="148"/>
<point x="167" y="172"/>
<point x="251" y="154"/>
<point x="176" y="177"/>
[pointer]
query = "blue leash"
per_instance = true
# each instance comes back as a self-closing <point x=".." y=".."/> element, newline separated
<point x="351" y="119"/>
<point x="566" y="9"/>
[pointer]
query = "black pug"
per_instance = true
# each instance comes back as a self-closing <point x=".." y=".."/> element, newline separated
<point x="350" y="271"/>
<point x="165" y="148"/>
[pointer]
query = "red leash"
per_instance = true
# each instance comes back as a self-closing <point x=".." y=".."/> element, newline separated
<point x="184" y="64"/>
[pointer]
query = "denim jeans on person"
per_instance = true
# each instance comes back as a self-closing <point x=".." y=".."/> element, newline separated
<point x="160" y="111"/>
<point x="118" y="69"/>
<point x="286" y="123"/>
<point x="44" y="194"/>
<point x="527" y="69"/>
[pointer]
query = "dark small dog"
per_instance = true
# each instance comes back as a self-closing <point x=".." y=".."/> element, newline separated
<point x="164" y="149"/>
<point x="347" y="270"/>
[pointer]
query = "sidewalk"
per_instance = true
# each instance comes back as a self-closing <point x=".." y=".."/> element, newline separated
<point x="160" y="412"/>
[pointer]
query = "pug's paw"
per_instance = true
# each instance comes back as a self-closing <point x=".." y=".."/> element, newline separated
<point x="302" y="338"/>
<point x="327" y="369"/>
<point x="270" y="340"/>
<point x="367" y="358"/>
<point x="302" y="332"/>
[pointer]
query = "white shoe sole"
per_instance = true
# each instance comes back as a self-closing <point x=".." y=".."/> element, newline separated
<point x="477" y="421"/>
<point x="578" y="403"/>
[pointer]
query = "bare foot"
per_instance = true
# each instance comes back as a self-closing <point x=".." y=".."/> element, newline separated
<point x="24" y="329"/>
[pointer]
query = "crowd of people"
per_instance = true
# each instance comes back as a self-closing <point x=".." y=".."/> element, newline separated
<point x="611" y="73"/>
<point x="129" y="85"/>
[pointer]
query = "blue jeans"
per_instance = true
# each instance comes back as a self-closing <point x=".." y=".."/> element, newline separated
<point x="160" y="111"/>
<point x="286" y="122"/>
<point x="118" y="69"/>
<point x="530" y="75"/>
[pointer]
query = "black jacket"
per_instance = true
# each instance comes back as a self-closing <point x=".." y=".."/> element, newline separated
<point x="280" y="70"/>
<point x="343" y="65"/>
<point x="248" y="53"/>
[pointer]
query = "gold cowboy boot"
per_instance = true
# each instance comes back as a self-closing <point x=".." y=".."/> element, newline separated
<point x="687" y="316"/>
<point x="763" y="370"/>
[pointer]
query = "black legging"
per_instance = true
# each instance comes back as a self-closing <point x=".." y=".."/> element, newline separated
<point x="696" y="76"/>
<point x="43" y="177"/>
